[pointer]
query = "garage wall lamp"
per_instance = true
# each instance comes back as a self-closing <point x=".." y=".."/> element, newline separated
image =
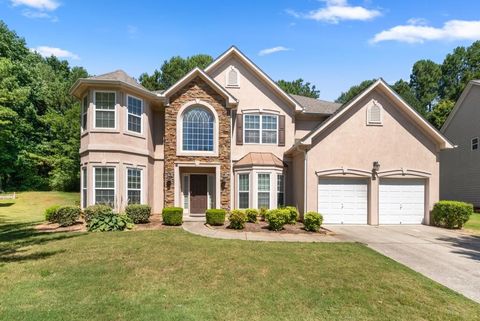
<point x="375" y="169"/>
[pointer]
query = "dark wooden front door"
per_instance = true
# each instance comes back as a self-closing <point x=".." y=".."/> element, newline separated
<point x="198" y="194"/>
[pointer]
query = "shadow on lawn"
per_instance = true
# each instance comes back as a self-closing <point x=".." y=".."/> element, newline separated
<point x="15" y="239"/>
<point x="6" y="204"/>
<point x="466" y="245"/>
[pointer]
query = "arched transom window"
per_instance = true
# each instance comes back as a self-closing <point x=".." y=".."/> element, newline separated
<point x="198" y="130"/>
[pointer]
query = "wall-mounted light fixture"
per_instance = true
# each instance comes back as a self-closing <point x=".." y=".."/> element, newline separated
<point x="375" y="169"/>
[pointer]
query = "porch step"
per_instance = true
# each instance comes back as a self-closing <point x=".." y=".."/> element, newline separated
<point x="198" y="218"/>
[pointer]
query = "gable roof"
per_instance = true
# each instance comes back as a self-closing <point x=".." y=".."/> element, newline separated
<point x="316" y="106"/>
<point x="260" y="73"/>
<point x="382" y="85"/>
<point x="197" y="72"/>
<point x="459" y="102"/>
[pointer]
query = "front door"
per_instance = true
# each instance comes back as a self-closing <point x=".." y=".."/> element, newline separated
<point x="198" y="194"/>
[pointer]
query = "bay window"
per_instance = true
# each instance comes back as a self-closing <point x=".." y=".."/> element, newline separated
<point x="104" y="109"/>
<point x="280" y="190"/>
<point x="134" y="114"/>
<point x="84" y="187"/>
<point x="243" y="190"/>
<point x="134" y="186"/>
<point x="105" y="185"/>
<point x="84" y="113"/>
<point x="263" y="186"/>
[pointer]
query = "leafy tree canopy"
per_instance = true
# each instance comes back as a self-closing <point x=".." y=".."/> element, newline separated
<point x="354" y="91"/>
<point x="298" y="87"/>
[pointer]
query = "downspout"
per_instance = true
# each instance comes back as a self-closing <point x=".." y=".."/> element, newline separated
<point x="305" y="164"/>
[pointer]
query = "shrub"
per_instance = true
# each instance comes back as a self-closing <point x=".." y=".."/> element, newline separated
<point x="66" y="215"/>
<point x="312" y="221"/>
<point x="50" y="213"/>
<point x="451" y="214"/>
<point x="172" y="216"/>
<point x="109" y="222"/>
<point x="262" y="212"/>
<point x="216" y="216"/>
<point x="277" y="219"/>
<point x="96" y="210"/>
<point x="293" y="214"/>
<point x="138" y="213"/>
<point x="251" y="215"/>
<point x="237" y="219"/>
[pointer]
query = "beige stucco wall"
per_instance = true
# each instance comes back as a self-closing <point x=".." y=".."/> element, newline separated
<point x="460" y="167"/>
<point x="304" y="124"/>
<point x="351" y="144"/>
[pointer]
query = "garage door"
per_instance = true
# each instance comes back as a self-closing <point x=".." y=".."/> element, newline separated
<point x="343" y="201"/>
<point x="401" y="201"/>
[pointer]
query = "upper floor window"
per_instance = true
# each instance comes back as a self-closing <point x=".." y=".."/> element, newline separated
<point x="84" y="112"/>
<point x="105" y="109"/>
<point x="233" y="77"/>
<point x="260" y="129"/>
<point x="374" y="114"/>
<point x="475" y="143"/>
<point x="134" y="114"/>
<point x="198" y="130"/>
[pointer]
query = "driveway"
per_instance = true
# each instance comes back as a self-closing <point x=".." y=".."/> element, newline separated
<point x="448" y="257"/>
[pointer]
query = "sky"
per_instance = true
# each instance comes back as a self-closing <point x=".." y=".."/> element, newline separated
<point x="332" y="44"/>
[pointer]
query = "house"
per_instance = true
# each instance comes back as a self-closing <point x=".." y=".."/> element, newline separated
<point x="460" y="167"/>
<point x="229" y="137"/>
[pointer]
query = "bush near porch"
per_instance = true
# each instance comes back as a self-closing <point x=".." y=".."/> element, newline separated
<point x="215" y="216"/>
<point x="451" y="214"/>
<point x="172" y="216"/>
<point x="138" y="213"/>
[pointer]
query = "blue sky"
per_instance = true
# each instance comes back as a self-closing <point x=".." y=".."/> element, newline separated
<point x="332" y="43"/>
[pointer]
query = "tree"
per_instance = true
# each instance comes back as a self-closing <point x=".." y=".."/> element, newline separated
<point x="173" y="70"/>
<point x="403" y="89"/>
<point x="439" y="114"/>
<point x="354" y="91"/>
<point x="424" y="81"/>
<point x="298" y="87"/>
<point x="453" y="77"/>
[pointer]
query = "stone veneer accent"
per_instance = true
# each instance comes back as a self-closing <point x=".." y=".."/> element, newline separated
<point x="197" y="89"/>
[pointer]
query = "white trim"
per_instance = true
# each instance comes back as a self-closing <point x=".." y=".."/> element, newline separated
<point x="459" y="103"/>
<point x="373" y="103"/>
<point x="263" y="76"/>
<point x="227" y="77"/>
<point x="84" y="126"/>
<point x="84" y="187"/>
<point x="472" y="143"/>
<point x="115" y="196"/>
<point x="260" y="114"/>
<point x="95" y="111"/>
<point x="445" y="143"/>
<point x="248" y="173"/>
<point x="134" y="189"/>
<point x="180" y="114"/>
<point x="342" y="171"/>
<point x="142" y="108"/>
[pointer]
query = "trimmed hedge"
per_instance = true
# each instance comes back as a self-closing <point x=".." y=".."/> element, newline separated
<point x="172" y="216"/>
<point x="109" y="222"/>
<point x="66" y="215"/>
<point x="215" y="216"/>
<point x="293" y="214"/>
<point x="139" y="213"/>
<point x="277" y="218"/>
<point x="237" y="219"/>
<point x="451" y="214"/>
<point x="251" y="215"/>
<point x="262" y="213"/>
<point x="312" y="221"/>
<point x="50" y="213"/>
<point x="96" y="210"/>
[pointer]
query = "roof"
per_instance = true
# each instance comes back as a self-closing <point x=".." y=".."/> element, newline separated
<point x="459" y="103"/>
<point x="381" y="84"/>
<point x="259" y="159"/>
<point x="260" y="73"/>
<point x="316" y="106"/>
<point x="119" y="75"/>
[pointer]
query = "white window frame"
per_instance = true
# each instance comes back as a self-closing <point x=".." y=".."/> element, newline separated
<point x="371" y="122"/>
<point x="186" y="192"/>
<point x="134" y="189"/>
<point x="283" y="189"/>
<point x="227" y="78"/>
<point x="474" y="144"/>
<point x="84" y="182"/>
<point x="269" y="173"/>
<point x="248" y="191"/>
<point x="84" y="112"/>
<point x="114" y="184"/>
<point x="95" y="110"/>
<point x="128" y="114"/>
<point x="260" y="129"/>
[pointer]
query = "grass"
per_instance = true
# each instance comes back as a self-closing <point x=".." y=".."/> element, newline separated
<point x="473" y="224"/>
<point x="172" y="275"/>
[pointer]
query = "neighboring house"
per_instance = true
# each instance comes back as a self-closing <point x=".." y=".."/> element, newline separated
<point x="460" y="167"/>
<point x="230" y="137"/>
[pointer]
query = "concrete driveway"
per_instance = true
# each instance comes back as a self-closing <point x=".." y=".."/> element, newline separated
<point x="448" y="257"/>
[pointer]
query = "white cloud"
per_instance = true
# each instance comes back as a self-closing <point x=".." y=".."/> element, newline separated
<point x="269" y="51"/>
<point x="46" y="51"/>
<point x="336" y="11"/>
<point x="34" y="14"/>
<point x="44" y="5"/>
<point x="415" y="32"/>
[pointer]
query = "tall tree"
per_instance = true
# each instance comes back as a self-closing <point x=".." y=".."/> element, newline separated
<point x="425" y="82"/>
<point x="454" y="75"/>
<point x="439" y="114"/>
<point x="405" y="91"/>
<point x="173" y="70"/>
<point x="298" y="87"/>
<point x="354" y="91"/>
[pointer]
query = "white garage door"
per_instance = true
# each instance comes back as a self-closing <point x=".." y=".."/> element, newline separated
<point x="401" y="201"/>
<point x="343" y="201"/>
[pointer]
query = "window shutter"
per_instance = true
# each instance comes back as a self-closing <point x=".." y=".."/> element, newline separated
<point x="239" y="129"/>
<point x="281" y="131"/>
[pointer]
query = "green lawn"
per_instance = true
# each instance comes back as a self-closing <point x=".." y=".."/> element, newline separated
<point x="172" y="275"/>
<point x="473" y="224"/>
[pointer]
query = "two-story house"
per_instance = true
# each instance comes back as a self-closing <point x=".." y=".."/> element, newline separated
<point x="229" y="137"/>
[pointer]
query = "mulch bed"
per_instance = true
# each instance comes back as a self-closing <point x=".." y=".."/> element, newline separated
<point x="262" y="226"/>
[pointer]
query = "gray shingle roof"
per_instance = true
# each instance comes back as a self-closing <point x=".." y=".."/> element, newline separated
<point x="316" y="106"/>
<point x="119" y="75"/>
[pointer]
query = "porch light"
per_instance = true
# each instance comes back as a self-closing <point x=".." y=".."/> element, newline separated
<point x="376" y="166"/>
